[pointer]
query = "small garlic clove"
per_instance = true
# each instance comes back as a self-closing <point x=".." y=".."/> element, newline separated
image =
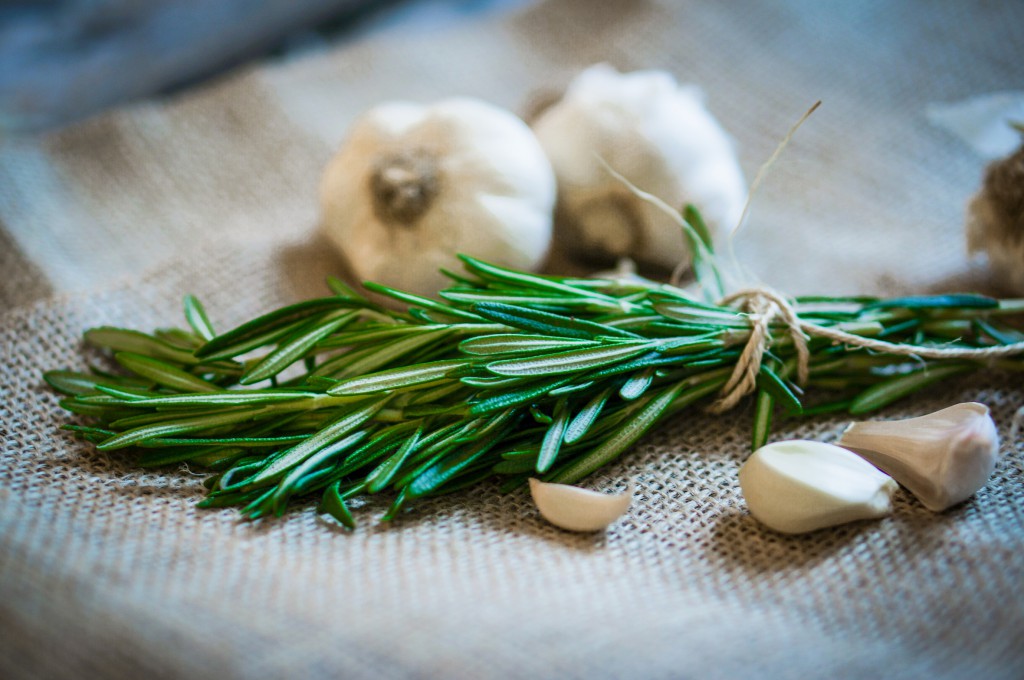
<point x="570" y="507"/>
<point x="798" y="486"/>
<point x="942" y="458"/>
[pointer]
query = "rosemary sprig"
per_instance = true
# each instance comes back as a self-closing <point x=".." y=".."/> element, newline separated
<point x="513" y="375"/>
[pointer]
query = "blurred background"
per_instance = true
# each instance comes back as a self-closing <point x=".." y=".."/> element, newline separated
<point x="63" y="60"/>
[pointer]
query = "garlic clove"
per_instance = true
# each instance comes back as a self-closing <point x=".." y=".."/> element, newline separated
<point x="798" y="486"/>
<point x="576" y="509"/>
<point x="942" y="458"/>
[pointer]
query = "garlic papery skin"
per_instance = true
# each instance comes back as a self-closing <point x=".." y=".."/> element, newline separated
<point x="798" y="486"/>
<point x="995" y="221"/>
<point x="657" y="135"/>
<point x="575" y="509"/>
<point x="413" y="185"/>
<point x="942" y="458"/>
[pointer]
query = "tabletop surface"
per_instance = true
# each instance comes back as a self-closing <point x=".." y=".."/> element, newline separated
<point x="107" y="570"/>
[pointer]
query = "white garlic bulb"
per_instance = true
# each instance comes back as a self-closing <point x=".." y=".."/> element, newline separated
<point x="942" y="457"/>
<point x="414" y="185"/>
<point x="801" y="485"/>
<point x="995" y="220"/>
<point x="577" y="509"/>
<point x="661" y="138"/>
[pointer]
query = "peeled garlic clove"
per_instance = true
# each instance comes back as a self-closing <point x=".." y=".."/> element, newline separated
<point x="799" y="486"/>
<point x="942" y="458"/>
<point x="660" y="137"/>
<point x="570" y="507"/>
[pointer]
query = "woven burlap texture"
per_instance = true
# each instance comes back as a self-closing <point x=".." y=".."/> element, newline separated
<point x="109" y="571"/>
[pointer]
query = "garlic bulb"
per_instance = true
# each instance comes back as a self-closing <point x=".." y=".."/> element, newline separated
<point x="662" y="139"/>
<point x="995" y="220"/>
<point x="413" y="185"/>
<point x="570" y="507"/>
<point x="799" y="486"/>
<point x="942" y="458"/>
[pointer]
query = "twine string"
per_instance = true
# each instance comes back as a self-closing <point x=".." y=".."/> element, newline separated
<point x="763" y="305"/>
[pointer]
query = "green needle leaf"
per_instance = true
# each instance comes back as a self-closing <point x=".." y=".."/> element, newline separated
<point x="421" y="302"/>
<point x="552" y="441"/>
<point x="287" y="486"/>
<point x="216" y="399"/>
<point x="324" y="438"/>
<point x="888" y="391"/>
<point x="441" y="472"/>
<point x="573" y="361"/>
<point x="385" y="472"/>
<point x="579" y="425"/>
<point x="769" y="380"/>
<point x="637" y="384"/>
<point x="195" y="314"/>
<point x="391" y="351"/>
<point x="962" y="301"/>
<point x="75" y="384"/>
<point x="334" y="505"/>
<point x="530" y="281"/>
<point x="179" y="426"/>
<point x="163" y="373"/>
<point x="763" y="407"/>
<point x="515" y="397"/>
<point x="124" y="340"/>
<point x="621" y="439"/>
<point x="398" y="378"/>
<point x="546" y="323"/>
<point x="270" y="325"/>
<point x="295" y="347"/>
<point x="517" y="343"/>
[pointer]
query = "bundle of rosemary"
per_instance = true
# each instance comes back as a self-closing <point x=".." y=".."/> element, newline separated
<point x="512" y="374"/>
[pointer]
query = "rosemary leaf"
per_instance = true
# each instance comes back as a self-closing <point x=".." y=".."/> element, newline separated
<point x="295" y="346"/>
<point x="382" y="475"/>
<point x="573" y="361"/>
<point x="334" y="505"/>
<point x="163" y="373"/>
<point x="552" y="441"/>
<point x="510" y="343"/>
<point x="586" y="416"/>
<point x="546" y="323"/>
<point x="345" y="424"/>
<point x="764" y="405"/>
<point x="888" y="391"/>
<point x="268" y="328"/>
<point x="621" y="439"/>
<point x="417" y="375"/>
<point x="196" y="316"/>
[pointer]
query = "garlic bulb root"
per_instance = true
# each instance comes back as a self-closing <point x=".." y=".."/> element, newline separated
<point x="798" y="486"/>
<point x="404" y="185"/>
<point x="577" y="509"/>
<point x="413" y="185"/>
<point x="942" y="458"/>
<point x="655" y="133"/>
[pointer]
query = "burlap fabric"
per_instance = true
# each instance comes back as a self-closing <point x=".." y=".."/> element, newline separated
<point x="108" y="571"/>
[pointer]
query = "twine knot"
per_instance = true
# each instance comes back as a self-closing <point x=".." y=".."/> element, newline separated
<point x="762" y="306"/>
